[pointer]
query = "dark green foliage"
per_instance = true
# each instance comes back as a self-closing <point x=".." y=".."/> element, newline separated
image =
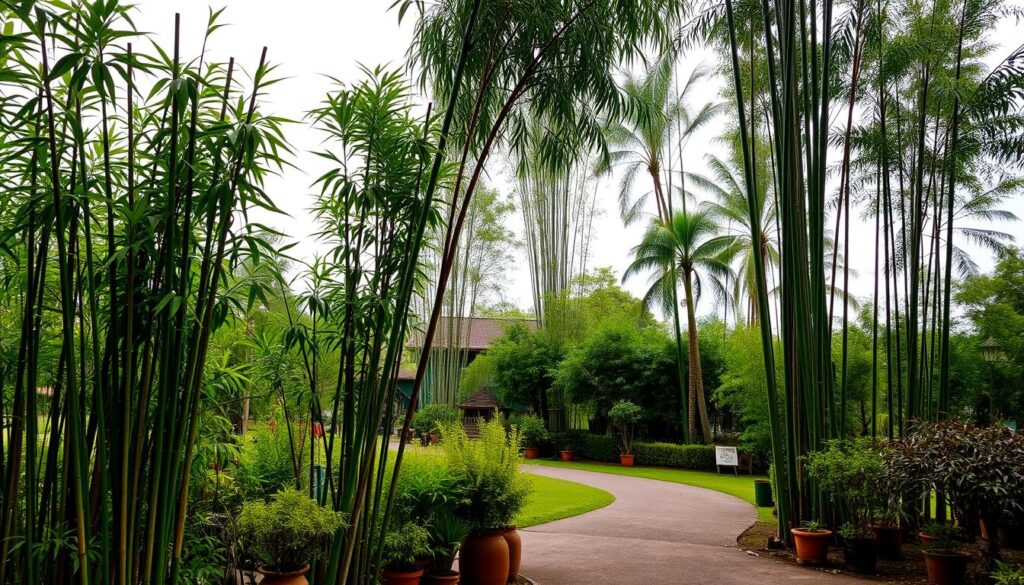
<point x="524" y="363"/>
<point x="404" y="545"/>
<point x="446" y="535"/>
<point x="675" y="455"/>
<point x="288" y="532"/>
<point x="625" y="415"/>
<point x="851" y="473"/>
<point x="531" y="429"/>
<point x="432" y="417"/>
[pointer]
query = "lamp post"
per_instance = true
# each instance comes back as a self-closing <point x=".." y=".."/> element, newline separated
<point x="992" y="353"/>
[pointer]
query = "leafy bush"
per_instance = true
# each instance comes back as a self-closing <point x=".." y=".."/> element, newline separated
<point x="431" y="418"/>
<point x="1008" y="574"/>
<point x="850" y="472"/>
<point x="446" y="535"/>
<point x="288" y="532"/>
<point x="625" y="415"/>
<point x="425" y="488"/>
<point x="531" y="429"/>
<point x="673" y="455"/>
<point x="406" y="545"/>
<point x="591" y="446"/>
<point x="490" y="488"/>
<point x="265" y="464"/>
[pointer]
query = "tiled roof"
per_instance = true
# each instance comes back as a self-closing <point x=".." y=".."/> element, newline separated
<point x="477" y="333"/>
<point x="482" y="399"/>
<point x="406" y="374"/>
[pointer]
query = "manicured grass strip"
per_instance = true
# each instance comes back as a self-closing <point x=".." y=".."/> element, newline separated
<point x="554" y="499"/>
<point x="742" y="487"/>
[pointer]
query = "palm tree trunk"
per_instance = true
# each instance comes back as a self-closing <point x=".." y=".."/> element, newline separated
<point x="697" y="408"/>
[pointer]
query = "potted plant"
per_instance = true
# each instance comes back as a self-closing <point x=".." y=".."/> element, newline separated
<point x="491" y="491"/>
<point x="286" y="535"/>
<point x="568" y="452"/>
<point x="625" y="414"/>
<point x="927" y="533"/>
<point x="850" y="472"/>
<point x="944" y="560"/>
<point x="403" y="547"/>
<point x="446" y="535"/>
<point x="811" y="542"/>
<point x="534" y="433"/>
<point x="429" y="420"/>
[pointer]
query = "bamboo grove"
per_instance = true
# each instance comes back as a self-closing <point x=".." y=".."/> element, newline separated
<point x="888" y="104"/>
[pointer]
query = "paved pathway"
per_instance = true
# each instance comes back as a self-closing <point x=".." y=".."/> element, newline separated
<point x="654" y="533"/>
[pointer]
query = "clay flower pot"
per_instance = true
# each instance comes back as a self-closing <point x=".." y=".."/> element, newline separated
<point x="484" y="558"/>
<point x="811" y="547"/>
<point x="515" y="552"/>
<point x="890" y="542"/>
<point x="452" y="579"/>
<point x="946" y="567"/>
<point x="626" y="460"/>
<point x="271" y="577"/>
<point x="393" y="577"/>
<point x="435" y="438"/>
<point x="926" y="539"/>
<point x="567" y="455"/>
<point x="860" y="555"/>
<point x="531" y="452"/>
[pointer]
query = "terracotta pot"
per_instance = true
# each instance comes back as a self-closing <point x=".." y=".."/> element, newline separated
<point x="890" y="542"/>
<point x="484" y="559"/>
<point x="287" y="578"/>
<point x="435" y="438"/>
<point x="567" y="455"/>
<point x="402" y="577"/>
<point x="926" y="539"/>
<point x="860" y="555"/>
<point x="626" y="460"/>
<point x="531" y="452"/>
<point x="946" y="567"/>
<point x="452" y="579"/>
<point x="515" y="552"/>
<point x="811" y="547"/>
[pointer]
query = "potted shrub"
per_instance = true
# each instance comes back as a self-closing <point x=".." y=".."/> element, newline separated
<point x="850" y="472"/>
<point x="286" y="535"/>
<point x="811" y="542"/>
<point x="568" y="452"/>
<point x="491" y="492"/>
<point x="403" y="547"/>
<point x="625" y="414"/>
<point x="446" y="535"/>
<point x="534" y="434"/>
<point x="944" y="560"/>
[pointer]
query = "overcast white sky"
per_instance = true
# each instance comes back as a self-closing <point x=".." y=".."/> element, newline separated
<point x="313" y="39"/>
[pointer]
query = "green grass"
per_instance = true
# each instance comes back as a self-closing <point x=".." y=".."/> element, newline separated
<point x="742" y="487"/>
<point x="554" y="499"/>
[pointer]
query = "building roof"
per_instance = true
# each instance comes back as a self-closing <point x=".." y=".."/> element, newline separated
<point x="477" y="333"/>
<point x="406" y="374"/>
<point x="481" y="400"/>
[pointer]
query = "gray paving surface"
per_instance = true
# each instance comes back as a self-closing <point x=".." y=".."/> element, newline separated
<point x="655" y="533"/>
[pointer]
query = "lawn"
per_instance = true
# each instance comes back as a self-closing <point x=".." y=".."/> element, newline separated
<point x="741" y="486"/>
<point x="553" y="499"/>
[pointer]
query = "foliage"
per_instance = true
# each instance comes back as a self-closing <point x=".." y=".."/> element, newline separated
<point x="531" y="429"/>
<point x="433" y="417"/>
<point x="626" y="415"/>
<point x="265" y="465"/>
<point x="524" y="363"/>
<point x="490" y="487"/>
<point x="446" y="535"/>
<point x="404" y="545"/>
<point x="1008" y="574"/>
<point x="945" y="537"/>
<point x="701" y="457"/>
<point x="850" y="472"/>
<point x="288" y="532"/>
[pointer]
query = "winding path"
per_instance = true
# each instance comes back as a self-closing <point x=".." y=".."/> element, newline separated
<point x="654" y="533"/>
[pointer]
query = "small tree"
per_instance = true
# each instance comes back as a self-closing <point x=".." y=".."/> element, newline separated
<point x="531" y="429"/>
<point x="625" y="415"/>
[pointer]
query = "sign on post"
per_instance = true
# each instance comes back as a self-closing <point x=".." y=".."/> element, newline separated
<point x="727" y="457"/>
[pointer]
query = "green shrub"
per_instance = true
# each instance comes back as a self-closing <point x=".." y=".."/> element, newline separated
<point x="491" y="490"/>
<point x="265" y="464"/>
<point x="591" y="446"/>
<point x="446" y="535"/>
<point x="433" y="417"/>
<point x="850" y="472"/>
<point x="531" y="428"/>
<point x="625" y="415"/>
<point x="1008" y="574"/>
<point x="406" y="545"/>
<point x="673" y="455"/>
<point x="425" y="488"/>
<point x="288" y="532"/>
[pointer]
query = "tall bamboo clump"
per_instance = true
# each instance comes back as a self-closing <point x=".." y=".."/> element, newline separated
<point x="127" y="176"/>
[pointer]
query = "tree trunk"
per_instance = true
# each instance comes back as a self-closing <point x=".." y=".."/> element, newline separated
<point x="696" y="378"/>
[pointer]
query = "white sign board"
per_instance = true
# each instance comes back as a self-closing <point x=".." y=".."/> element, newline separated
<point x="726" y="456"/>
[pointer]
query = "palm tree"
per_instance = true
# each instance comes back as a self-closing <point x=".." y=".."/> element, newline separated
<point x="687" y="248"/>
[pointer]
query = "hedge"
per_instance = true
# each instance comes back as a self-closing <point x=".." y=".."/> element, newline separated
<point x="604" y="448"/>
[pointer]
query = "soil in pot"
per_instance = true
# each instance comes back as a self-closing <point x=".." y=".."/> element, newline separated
<point x="860" y="555"/>
<point x="484" y="559"/>
<point x="531" y="452"/>
<point x="271" y="577"/>
<point x="626" y="460"/>
<point x="811" y="547"/>
<point x="946" y="567"/>
<point x="452" y="579"/>
<point x="890" y="542"/>
<point x="402" y="577"/>
<point x="567" y="455"/>
<point x="515" y="553"/>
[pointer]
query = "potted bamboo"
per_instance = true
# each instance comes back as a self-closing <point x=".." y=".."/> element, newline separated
<point x="534" y="434"/>
<point x="446" y="535"/>
<point x="403" y="547"/>
<point x="625" y="415"/>
<point x="944" y="559"/>
<point x="286" y="535"/>
<point x="811" y="542"/>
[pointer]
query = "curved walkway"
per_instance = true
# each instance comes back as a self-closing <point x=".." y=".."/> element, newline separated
<point x="654" y="533"/>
